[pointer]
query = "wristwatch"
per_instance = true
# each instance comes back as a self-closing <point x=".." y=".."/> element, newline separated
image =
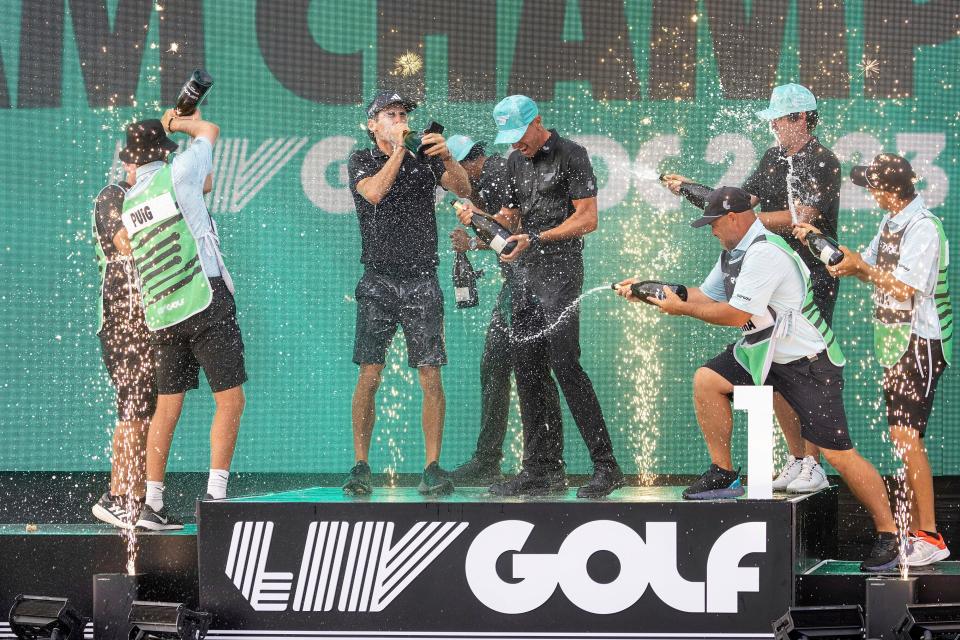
<point x="533" y="240"/>
<point x="474" y="243"/>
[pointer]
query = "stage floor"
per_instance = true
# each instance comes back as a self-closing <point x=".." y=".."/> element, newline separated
<point x="850" y="568"/>
<point x="404" y="495"/>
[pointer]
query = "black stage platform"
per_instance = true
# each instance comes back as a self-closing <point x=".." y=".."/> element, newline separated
<point x="309" y="562"/>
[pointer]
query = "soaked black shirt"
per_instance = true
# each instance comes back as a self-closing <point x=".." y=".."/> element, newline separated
<point x="544" y="187"/>
<point x="398" y="236"/>
<point x="117" y="286"/>
<point x="815" y="183"/>
<point x="490" y="192"/>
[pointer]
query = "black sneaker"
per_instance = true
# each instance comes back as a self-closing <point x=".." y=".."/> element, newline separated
<point x="359" y="482"/>
<point x="715" y="484"/>
<point x="606" y="479"/>
<point x="477" y="473"/>
<point x="885" y="555"/>
<point x="527" y="483"/>
<point x="157" y="520"/>
<point x="435" y="481"/>
<point x="116" y="510"/>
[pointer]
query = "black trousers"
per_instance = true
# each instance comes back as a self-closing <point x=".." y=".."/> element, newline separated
<point x="546" y="338"/>
<point x="496" y="366"/>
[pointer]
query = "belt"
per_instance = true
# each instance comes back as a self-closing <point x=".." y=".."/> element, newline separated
<point x="807" y="359"/>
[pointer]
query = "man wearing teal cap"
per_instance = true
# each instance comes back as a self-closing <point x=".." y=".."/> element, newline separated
<point x="796" y="181"/>
<point x="489" y="193"/>
<point x="552" y="194"/>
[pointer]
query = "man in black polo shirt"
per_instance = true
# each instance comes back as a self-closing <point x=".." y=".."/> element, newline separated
<point x="489" y="193"/>
<point x="393" y="191"/>
<point x="797" y="181"/>
<point x="553" y="193"/>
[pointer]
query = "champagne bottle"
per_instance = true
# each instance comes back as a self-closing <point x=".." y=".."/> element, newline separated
<point x="465" y="282"/>
<point x="654" y="289"/>
<point x="824" y="248"/>
<point x="696" y="194"/>
<point x="490" y="231"/>
<point x="193" y="92"/>
<point x="414" y="143"/>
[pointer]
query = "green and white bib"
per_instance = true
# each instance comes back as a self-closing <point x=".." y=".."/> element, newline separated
<point x="755" y="349"/>
<point x="893" y="319"/>
<point x="174" y="286"/>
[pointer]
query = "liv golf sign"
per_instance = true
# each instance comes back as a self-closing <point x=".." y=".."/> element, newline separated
<point x="518" y="567"/>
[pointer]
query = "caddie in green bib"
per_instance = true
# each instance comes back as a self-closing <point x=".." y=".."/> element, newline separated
<point x="754" y="351"/>
<point x="894" y="319"/>
<point x="165" y="252"/>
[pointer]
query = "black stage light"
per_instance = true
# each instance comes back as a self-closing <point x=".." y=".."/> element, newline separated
<point x="800" y="623"/>
<point x="38" y="617"/>
<point x="166" y="621"/>
<point x="929" y="622"/>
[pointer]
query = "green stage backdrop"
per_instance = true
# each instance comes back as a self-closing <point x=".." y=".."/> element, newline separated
<point x="646" y="86"/>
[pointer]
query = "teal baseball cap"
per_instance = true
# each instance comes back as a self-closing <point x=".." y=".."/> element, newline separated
<point x="459" y="146"/>
<point x="787" y="99"/>
<point x="513" y="115"/>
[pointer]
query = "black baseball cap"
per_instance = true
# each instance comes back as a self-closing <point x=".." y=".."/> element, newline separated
<point x="146" y="142"/>
<point x="887" y="172"/>
<point x="722" y="201"/>
<point x="385" y="99"/>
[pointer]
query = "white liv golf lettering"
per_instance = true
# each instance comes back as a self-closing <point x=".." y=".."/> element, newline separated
<point x="650" y="562"/>
<point x="359" y="568"/>
<point x="354" y="569"/>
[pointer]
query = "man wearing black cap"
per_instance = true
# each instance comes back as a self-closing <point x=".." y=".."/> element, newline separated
<point x="394" y="191"/>
<point x="913" y="327"/>
<point x="489" y="193"/>
<point x="187" y="297"/>
<point x="796" y="180"/>
<point x="762" y="286"/>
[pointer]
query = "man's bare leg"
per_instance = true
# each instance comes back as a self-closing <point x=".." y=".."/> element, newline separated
<point x="714" y="414"/>
<point x="226" y="425"/>
<point x="363" y="408"/>
<point x="128" y="466"/>
<point x="162" y="426"/>
<point x="866" y="484"/>
<point x="432" y="411"/>
<point x="909" y="447"/>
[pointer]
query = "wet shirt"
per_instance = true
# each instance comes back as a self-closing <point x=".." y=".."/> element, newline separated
<point x="490" y="190"/>
<point x="814" y="182"/>
<point x="918" y="265"/>
<point x="117" y="286"/>
<point x="544" y="187"/>
<point x="768" y="277"/>
<point x="398" y="236"/>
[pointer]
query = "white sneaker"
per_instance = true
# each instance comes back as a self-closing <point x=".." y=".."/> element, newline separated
<point x="923" y="549"/>
<point x="787" y="475"/>
<point x="812" y="477"/>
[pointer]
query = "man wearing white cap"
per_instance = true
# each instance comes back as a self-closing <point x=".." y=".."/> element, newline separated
<point x="796" y="181"/>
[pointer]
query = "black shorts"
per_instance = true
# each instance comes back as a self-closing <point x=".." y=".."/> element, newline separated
<point x="415" y="303"/>
<point x="125" y="345"/>
<point x="210" y="339"/>
<point x="909" y="385"/>
<point x="812" y="386"/>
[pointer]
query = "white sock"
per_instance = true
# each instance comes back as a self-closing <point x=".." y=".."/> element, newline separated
<point x="217" y="483"/>
<point x="155" y="495"/>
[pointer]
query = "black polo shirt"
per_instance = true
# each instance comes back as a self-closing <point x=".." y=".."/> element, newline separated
<point x="108" y="210"/>
<point x="544" y="187"/>
<point x="816" y="183"/>
<point x="490" y="192"/>
<point x="399" y="235"/>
